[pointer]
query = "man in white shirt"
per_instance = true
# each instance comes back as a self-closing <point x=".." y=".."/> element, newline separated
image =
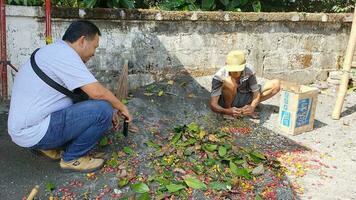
<point x="42" y="118"/>
<point x="235" y="91"/>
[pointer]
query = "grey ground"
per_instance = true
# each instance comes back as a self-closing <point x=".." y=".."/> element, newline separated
<point x="332" y="143"/>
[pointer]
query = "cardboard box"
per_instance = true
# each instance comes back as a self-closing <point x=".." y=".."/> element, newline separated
<point x="297" y="108"/>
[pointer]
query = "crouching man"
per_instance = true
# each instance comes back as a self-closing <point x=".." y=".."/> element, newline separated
<point x="44" y="119"/>
<point x="235" y="91"/>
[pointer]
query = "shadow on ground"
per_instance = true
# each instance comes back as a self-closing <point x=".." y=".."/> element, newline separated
<point x="182" y="102"/>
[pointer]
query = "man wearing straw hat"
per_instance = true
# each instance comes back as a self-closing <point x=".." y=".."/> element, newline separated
<point x="235" y="91"/>
<point x="42" y="115"/>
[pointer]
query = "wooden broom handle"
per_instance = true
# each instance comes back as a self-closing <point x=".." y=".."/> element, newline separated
<point x="346" y="70"/>
<point x="33" y="193"/>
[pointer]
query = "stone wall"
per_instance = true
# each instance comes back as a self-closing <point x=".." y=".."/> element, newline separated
<point x="300" y="47"/>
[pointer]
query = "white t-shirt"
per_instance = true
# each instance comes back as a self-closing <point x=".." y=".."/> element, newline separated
<point x="33" y="101"/>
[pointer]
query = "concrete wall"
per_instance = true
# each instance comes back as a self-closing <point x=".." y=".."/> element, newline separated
<point x="300" y="47"/>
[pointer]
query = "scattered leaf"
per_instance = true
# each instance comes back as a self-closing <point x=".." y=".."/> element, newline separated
<point x="194" y="183"/>
<point x="258" y="170"/>
<point x="210" y="147"/>
<point x="148" y="94"/>
<point x="222" y="151"/>
<point x="140" y="188"/>
<point x="176" y="137"/>
<point x="160" y="93"/>
<point x="144" y="196"/>
<point x="191" y="95"/>
<point x="174" y="187"/>
<point x="193" y="127"/>
<point x="239" y="172"/>
<point x="124" y="101"/>
<point x="50" y="186"/>
<point x="216" y="185"/>
<point x="202" y="134"/>
<point x="258" y="197"/>
<point x="123" y="182"/>
<point x="128" y="150"/>
<point x="151" y="144"/>
<point x="182" y="84"/>
<point x="213" y="138"/>
<point x="104" y="141"/>
<point x="170" y="82"/>
<point x="258" y="155"/>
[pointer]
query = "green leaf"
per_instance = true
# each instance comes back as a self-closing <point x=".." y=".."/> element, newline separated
<point x="209" y="162"/>
<point x="123" y="182"/>
<point x="160" y="93"/>
<point x="233" y="4"/>
<point x="207" y="4"/>
<point x="89" y="3"/>
<point x="210" y="147"/>
<point x="224" y="2"/>
<point x="193" y="127"/>
<point x="256" y="157"/>
<point x="188" y="151"/>
<point x="216" y="185"/>
<point x="222" y="151"/>
<point x="128" y="150"/>
<point x="162" y="181"/>
<point x="171" y="5"/>
<point x="176" y="137"/>
<point x="50" y="186"/>
<point x="124" y="101"/>
<point x="239" y="172"/>
<point x="256" y="5"/>
<point x="194" y="183"/>
<point x="174" y="187"/>
<point x="123" y="198"/>
<point x="233" y="167"/>
<point x="144" y="196"/>
<point x="104" y="141"/>
<point x="152" y="145"/>
<point x="258" y="197"/>
<point x="190" y="141"/>
<point x="127" y="4"/>
<point x="150" y="88"/>
<point x="140" y="188"/>
<point x="179" y="128"/>
<point x="243" y="2"/>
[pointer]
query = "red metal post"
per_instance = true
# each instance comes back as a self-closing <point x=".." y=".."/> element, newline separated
<point x="48" y="22"/>
<point x="3" y="50"/>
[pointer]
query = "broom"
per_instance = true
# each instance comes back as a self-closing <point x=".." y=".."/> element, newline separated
<point x="122" y="82"/>
<point x="122" y="93"/>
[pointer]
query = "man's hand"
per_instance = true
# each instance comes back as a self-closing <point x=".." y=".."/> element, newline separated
<point x="235" y="112"/>
<point x="125" y="114"/>
<point x="248" y="110"/>
<point x="116" y="121"/>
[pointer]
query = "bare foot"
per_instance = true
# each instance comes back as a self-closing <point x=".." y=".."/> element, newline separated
<point x="254" y="115"/>
<point x="133" y="128"/>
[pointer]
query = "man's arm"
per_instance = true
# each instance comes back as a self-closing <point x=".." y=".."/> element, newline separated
<point x="214" y="106"/>
<point x="98" y="91"/>
<point x="250" y="109"/>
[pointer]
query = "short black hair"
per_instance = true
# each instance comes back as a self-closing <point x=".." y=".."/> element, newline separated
<point x="80" y="28"/>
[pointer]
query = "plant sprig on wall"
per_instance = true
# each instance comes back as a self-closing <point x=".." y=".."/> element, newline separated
<point x="205" y="5"/>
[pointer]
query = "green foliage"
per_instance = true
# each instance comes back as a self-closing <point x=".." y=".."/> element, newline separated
<point x="206" y="5"/>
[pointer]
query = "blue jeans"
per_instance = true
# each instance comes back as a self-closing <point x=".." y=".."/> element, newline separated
<point x="77" y="128"/>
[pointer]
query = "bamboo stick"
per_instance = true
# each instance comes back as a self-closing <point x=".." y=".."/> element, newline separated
<point x="346" y="70"/>
<point x="33" y="193"/>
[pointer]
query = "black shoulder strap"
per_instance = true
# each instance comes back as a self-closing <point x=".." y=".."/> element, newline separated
<point x="49" y="81"/>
